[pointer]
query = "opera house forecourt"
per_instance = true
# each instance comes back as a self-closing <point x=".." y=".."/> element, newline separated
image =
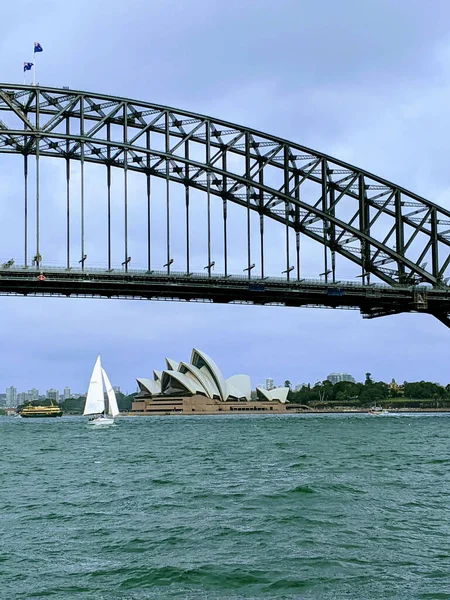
<point x="198" y="387"/>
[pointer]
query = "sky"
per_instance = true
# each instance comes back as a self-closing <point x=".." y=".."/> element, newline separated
<point x="367" y="82"/>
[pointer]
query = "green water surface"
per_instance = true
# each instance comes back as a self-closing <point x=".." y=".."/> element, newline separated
<point x="226" y="507"/>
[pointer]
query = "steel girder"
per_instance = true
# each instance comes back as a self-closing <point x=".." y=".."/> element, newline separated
<point x="388" y="231"/>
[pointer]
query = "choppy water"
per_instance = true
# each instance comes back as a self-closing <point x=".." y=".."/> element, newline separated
<point x="323" y="507"/>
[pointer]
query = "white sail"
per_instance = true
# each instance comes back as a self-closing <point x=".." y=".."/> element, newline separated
<point x="113" y="409"/>
<point x="95" y="400"/>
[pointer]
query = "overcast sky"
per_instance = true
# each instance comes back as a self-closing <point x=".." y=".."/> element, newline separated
<point x="365" y="81"/>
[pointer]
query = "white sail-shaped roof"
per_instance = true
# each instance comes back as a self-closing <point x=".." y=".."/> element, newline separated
<point x="263" y="394"/>
<point x="203" y="362"/>
<point x="210" y="388"/>
<point x="172" y="365"/>
<point x="279" y="394"/>
<point x="206" y="374"/>
<point x="95" y="400"/>
<point x="150" y="386"/>
<point x="239" y="386"/>
<point x="201" y="376"/>
<point x="174" y="382"/>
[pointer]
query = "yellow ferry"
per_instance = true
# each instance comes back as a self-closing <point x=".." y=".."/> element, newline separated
<point x="33" y="412"/>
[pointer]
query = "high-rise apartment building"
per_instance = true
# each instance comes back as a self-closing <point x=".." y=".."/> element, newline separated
<point x="66" y="393"/>
<point x="116" y="388"/>
<point x="348" y="377"/>
<point x="336" y="377"/>
<point x="11" y="396"/>
<point x="53" y="394"/>
<point x="22" y="398"/>
<point x="269" y="384"/>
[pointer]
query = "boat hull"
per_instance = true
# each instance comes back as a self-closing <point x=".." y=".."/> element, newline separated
<point x="41" y="416"/>
<point x="101" y="422"/>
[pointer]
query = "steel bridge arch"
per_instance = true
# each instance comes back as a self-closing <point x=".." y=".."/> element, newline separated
<point x="352" y="212"/>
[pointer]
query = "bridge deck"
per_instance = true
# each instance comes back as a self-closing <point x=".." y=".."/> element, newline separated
<point x="372" y="300"/>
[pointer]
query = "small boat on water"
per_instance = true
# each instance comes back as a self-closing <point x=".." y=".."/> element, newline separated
<point x="35" y="412"/>
<point x="102" y="411"/>
<point x="378" y="411"/>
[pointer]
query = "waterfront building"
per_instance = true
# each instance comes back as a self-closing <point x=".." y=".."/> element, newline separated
<point x="53" y="394"/>
<point x="11" y="396"/>
<point x="348" y="377"/>
<point x="33" y="394"/>
<point x="336" y="377"/>
<point x="395" y="388"/>
<point x="197" y="404"/>
<point x="269" y="384"/>
<point x="22" y="397"/>
<point x="199" y="386"/>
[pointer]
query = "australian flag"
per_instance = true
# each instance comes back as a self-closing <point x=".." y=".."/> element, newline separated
<point x="37" y="47"/>
<point x="27" y="66"/>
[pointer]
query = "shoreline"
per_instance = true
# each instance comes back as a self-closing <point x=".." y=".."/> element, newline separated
<point x="317" y="411"/>
<point x="314" y="411"/>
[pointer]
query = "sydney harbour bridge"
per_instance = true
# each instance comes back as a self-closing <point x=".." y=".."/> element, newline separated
<point x="152" y="202"/>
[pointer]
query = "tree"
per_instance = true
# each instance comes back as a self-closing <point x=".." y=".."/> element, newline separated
<point x="368" y="380"/>
<point x="287" y="384"/>
<point x="340" y="397"/>
<point x="73" y="406"/>
<point x="124" y="402"/>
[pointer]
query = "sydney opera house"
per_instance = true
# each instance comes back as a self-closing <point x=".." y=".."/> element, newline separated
<point x="198" y="386"/>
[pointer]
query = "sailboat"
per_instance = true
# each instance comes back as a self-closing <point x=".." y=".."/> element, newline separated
<point x="103" y="412"/>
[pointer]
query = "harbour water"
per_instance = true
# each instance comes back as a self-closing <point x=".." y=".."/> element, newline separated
<point x="320" y="507"/>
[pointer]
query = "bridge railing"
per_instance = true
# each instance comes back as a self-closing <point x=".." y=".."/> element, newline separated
<point x="52" y="271"/>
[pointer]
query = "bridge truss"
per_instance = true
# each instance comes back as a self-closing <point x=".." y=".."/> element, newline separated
<point x="397" y="241"/>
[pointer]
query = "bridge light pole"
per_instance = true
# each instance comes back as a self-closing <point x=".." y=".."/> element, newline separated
<point x="252" y="266"/>
<point x="168" y="265"/>
<point x="325" y="274"/>
<point x="209" y="267"/>
<point x="287" y="271"/>
<point x="83" y="258"/>
<point x="125" y="263"/>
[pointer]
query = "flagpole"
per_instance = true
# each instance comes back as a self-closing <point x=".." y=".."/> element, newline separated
<point x="34" y="70"/>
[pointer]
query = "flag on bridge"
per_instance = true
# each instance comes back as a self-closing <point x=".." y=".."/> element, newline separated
<point x="27" y="66"/>
<point x="37" y="47"/>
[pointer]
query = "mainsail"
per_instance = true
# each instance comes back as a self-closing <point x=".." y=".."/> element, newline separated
<point x="95" y="401"/>
<point x="113" y="409"/>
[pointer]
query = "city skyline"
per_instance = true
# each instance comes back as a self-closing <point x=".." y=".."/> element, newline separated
<point x="13" y="397"/>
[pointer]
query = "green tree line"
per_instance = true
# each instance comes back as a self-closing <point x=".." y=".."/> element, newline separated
<point x="346" y="393"/>
<point x="75" y="406"/>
